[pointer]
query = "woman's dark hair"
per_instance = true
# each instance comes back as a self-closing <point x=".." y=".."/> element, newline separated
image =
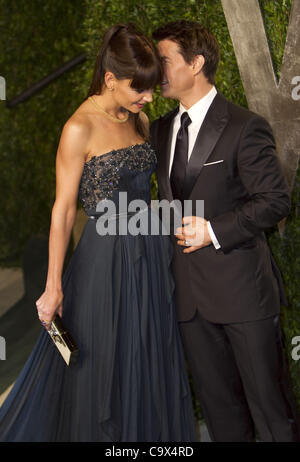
<point x="193" y="39"/>
<point x="128" y="54"/>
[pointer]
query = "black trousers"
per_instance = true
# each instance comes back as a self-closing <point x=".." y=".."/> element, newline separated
<point x="241" y="379"/>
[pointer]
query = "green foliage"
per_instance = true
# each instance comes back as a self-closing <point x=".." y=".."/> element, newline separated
<point x="36" y="38"/>
<point x="276" y="12"/>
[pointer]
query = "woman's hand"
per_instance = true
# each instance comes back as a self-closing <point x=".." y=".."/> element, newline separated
<point x="49" y="303"/>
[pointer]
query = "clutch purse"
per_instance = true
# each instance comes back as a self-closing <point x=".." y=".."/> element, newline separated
<point x="63" y="340"/>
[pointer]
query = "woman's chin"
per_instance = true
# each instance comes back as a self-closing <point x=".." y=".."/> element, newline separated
<point x="135" y="109"/>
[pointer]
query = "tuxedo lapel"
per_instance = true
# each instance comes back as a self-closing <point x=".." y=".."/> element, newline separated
<point x="211" y="129"/>
<point x="164" y="146"/>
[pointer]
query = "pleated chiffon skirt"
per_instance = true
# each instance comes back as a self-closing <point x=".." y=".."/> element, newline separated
<point x="129" y="383"/>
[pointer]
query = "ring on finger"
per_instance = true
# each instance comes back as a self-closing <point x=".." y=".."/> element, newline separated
<point x="45" y="323"/>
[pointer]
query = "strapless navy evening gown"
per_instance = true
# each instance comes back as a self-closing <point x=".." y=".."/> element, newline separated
<point x="130" y="381"/>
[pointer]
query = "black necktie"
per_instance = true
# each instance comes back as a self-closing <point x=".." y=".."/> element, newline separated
<point x="180" y="157"/>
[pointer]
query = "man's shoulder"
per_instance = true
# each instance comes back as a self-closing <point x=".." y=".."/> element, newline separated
<point x="239" y="113"/>
<point x="243" y="120"/>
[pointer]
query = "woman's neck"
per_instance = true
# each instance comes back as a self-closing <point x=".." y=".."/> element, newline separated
<point x="108" y="104"/>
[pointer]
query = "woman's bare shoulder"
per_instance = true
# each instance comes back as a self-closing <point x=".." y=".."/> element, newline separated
<point x="80" y="120"/>
<point x="75" y="135"/>
<point x="79" y="124"/>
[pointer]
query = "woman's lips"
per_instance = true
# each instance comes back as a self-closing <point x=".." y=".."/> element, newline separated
<point x="164" y="82"/>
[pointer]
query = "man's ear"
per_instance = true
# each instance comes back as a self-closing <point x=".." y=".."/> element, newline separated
<point x="197" y="64"/>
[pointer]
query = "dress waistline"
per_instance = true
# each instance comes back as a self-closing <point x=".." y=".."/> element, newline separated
<point x="115" y="216"/>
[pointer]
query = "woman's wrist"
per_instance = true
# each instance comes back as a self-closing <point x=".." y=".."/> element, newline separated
<point x="54" y="285"/>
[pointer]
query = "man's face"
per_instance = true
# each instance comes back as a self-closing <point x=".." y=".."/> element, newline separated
<point x="178" y="75"/>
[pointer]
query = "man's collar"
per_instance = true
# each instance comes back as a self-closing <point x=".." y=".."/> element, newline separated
<point x="203" y="103"/>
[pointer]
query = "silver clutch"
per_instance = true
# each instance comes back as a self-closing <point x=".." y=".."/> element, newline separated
<point x="63" y="341"/>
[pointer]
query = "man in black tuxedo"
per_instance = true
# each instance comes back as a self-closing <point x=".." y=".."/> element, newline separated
<point x="228" y="288"/>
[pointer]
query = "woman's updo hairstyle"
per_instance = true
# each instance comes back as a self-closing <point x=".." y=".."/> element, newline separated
<point x="128" y="54"/>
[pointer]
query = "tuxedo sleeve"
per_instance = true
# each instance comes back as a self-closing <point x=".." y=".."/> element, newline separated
<point x="268" y="196"/>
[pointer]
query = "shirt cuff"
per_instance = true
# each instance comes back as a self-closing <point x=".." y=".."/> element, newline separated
<point x="213" y="236"/>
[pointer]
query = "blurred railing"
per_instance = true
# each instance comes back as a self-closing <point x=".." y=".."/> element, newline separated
<point x="26" y="94"/>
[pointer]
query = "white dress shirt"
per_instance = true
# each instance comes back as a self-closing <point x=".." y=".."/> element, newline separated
<point x="197" y="113"/>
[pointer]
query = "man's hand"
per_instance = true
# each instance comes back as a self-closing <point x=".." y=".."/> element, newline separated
<point x="194" y="234"/>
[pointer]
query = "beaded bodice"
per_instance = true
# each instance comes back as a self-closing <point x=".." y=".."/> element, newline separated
<point x="127" y="169"/>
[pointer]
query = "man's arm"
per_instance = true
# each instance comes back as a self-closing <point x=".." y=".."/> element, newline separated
<point x="261" y="173"/>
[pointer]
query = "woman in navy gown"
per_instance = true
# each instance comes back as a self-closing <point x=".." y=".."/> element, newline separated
<point x="116" y="295"/>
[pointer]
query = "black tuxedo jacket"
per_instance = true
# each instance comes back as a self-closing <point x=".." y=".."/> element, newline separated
<point x="244" y="194"/>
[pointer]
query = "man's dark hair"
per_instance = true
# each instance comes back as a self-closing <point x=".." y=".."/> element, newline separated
<point x="193" y="39"/>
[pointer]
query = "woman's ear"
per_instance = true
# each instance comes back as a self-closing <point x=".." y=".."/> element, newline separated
<point x="197" y="64"/>
<point x="109" y="80"/>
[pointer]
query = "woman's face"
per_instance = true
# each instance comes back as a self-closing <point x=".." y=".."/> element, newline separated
<point x="128" y="98"/>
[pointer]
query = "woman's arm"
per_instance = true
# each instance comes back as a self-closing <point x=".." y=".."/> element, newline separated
<point x="69" y="165"/>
